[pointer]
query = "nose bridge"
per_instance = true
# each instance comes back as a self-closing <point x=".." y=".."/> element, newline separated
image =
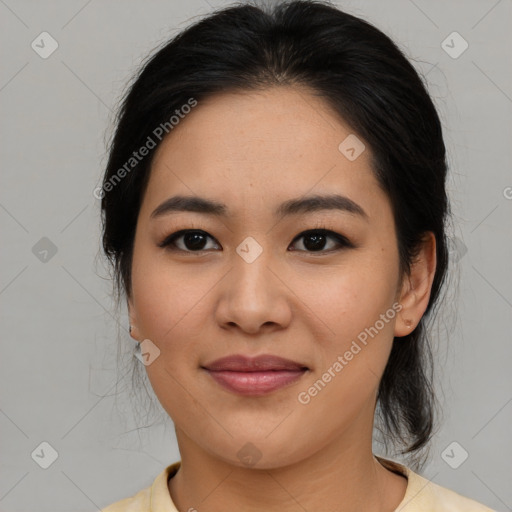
<point x="250" y="266"/>
<point x="252" y="296"/>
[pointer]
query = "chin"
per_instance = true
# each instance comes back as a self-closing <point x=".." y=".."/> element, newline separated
<point x="263" y="453"/>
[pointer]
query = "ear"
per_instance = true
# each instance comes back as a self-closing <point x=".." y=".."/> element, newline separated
<point x="134" y="333"/>
<point x="416" y="287"/>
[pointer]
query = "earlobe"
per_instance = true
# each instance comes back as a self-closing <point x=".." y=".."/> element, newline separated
<point x="417" y="287"/>
<point x="133" y="333"/>
<point x="133" y="322"/>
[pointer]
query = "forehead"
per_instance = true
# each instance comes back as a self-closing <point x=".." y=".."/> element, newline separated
<point x="280" y="123"/>
<point x="260" y="147"/>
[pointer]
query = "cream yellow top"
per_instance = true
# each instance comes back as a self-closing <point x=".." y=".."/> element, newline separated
<point x="421" y="495"/>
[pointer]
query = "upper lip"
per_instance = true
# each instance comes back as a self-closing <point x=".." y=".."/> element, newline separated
<point x="265" y="362"/>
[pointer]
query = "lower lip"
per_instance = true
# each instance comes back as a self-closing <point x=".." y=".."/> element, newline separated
<point x="256" y="383"/>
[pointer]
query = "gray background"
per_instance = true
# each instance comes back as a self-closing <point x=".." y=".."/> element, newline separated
<point x="59" y="377"/>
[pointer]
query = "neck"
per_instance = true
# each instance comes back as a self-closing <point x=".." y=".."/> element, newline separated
<point x="343" y="476"/>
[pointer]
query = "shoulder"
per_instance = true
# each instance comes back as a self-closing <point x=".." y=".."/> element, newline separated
<point x="427" y="495"/>
<point x="156" y="495"/>
<point x="422" y="495"/>
<point x="140" y="502"/>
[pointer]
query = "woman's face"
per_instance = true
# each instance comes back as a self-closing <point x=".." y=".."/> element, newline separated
<point x="251" y="285"/>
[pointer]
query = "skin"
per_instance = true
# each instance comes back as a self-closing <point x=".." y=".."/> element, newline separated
<point x="252" y="151"/>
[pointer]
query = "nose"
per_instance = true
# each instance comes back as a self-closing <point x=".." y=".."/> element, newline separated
<point x="253" y="297"/>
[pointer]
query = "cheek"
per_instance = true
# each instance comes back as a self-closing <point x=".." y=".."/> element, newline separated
<point x="170" y="313"/>
<point x="170" y="301"/>
<point x="349" y="297"/>
<point x="359" y="311"/>
<point x="357" y="305"/>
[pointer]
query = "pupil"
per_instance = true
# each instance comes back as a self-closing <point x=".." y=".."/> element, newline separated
<point x="194" y="241"/>
<point x="318" y="242"/>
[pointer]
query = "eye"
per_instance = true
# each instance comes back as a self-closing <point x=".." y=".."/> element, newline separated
<point x="186" y="240"/>
<point x="315" y="240"/>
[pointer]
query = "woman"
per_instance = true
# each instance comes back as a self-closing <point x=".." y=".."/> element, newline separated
<point x="274" y="209"/>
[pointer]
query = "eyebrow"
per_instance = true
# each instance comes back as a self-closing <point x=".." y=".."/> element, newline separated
<point x="312" y="203"/>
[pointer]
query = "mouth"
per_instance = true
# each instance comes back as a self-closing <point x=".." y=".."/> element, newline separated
<point x="255" y="376"/>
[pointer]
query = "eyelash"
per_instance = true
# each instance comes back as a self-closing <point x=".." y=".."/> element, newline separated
<point x="169" y="241"/>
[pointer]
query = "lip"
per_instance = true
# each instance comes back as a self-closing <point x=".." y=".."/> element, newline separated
<point x="255" y="376"/>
